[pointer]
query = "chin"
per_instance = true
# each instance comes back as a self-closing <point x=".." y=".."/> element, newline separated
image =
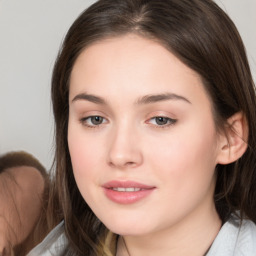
<point x="128" y="229"/>
<point x="125" y="222"/>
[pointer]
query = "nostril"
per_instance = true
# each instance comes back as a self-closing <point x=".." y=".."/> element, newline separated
<point x="121" y="163"/>
<point x="130" y="163"/>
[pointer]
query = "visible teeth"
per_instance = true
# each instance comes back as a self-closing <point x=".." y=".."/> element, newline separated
<point x="119" y="189"/>
<point x="126" y="189"/>
<point x="132" y="189"/>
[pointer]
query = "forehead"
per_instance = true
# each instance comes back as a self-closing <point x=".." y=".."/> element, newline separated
<point x="128" y="59"/>
<point x="134" y="66"/>
<point x="129" y="48"/>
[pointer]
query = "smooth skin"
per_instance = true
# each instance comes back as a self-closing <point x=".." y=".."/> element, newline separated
<point x="137" y="113"/>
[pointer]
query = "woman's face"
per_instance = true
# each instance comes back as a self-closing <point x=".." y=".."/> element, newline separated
<point x="141" y="136"/>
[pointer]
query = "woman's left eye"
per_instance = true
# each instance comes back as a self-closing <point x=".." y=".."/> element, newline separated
<point x="162" y="121"/>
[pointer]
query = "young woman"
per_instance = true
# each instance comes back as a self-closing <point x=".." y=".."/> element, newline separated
<point x="155" y="113"/>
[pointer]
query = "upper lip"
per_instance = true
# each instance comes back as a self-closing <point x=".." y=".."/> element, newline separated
<point x="126" y="184"/>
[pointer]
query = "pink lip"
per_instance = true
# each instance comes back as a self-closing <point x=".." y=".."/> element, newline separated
<point x="123" y="197"/>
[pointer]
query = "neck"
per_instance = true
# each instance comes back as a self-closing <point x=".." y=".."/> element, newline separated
<point x="191" y="236"/>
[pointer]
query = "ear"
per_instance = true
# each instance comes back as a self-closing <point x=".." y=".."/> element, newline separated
<point x="233" y="141"/>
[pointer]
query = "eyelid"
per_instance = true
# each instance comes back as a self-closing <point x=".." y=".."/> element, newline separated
<point x="85" y="118"/>
<point x="171" y="120"/>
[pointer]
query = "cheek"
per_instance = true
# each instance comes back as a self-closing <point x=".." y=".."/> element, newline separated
<point x="187" y="158"/>
<point x="80" y="154"/>
<point x="185" y="168"/>
<point x="85" y="156"/>
<point x="81" y="161"/>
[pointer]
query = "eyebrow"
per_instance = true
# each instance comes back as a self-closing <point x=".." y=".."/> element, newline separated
<point x="89" y="97"/>
<point x="147" y="99"/>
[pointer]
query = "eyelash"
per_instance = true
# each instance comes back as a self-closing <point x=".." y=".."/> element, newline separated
<point x="169" y="121"/>
<point x="84" y="121"/>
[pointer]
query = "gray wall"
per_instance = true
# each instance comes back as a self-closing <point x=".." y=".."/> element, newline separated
<point x="30" y="35"/>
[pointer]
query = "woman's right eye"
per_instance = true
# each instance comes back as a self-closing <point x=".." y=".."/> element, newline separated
<point x="93" y="121"/>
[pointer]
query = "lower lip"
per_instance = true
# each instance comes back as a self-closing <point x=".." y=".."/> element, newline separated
<point x="127" y="197"/>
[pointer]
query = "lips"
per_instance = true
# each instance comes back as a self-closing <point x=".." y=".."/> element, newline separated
<point x="126" y="192"/>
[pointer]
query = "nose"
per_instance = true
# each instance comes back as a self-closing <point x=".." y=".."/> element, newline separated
<point x="124" y="150"/>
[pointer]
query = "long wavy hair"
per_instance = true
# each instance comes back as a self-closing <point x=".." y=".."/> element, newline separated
<point x="204" y="38"/>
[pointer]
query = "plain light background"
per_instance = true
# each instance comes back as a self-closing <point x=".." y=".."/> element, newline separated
<point x="31" y="32"/>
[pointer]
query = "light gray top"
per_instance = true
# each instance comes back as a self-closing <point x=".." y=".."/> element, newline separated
<point x="233" y="240"/>
<point x="53" y="245"/>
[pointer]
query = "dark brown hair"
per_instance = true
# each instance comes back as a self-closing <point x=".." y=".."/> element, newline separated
<point x="203" y="37"/>
<point x="20" y="159"/>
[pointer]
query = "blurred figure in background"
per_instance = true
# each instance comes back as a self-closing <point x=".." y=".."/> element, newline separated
<point x="24" y="186"/>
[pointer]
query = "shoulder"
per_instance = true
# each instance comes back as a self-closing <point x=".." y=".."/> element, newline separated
<point x="246" y="242"/>
<point x="54" y="244"/>
<point x="235" y="238"/>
